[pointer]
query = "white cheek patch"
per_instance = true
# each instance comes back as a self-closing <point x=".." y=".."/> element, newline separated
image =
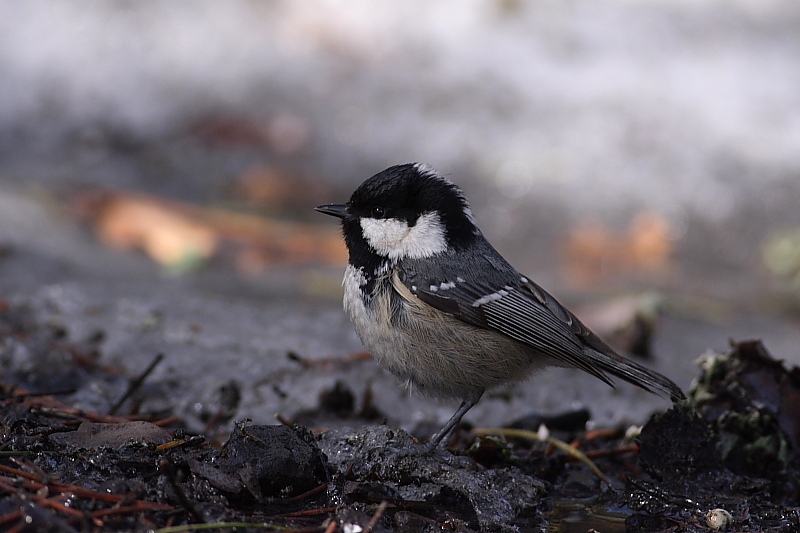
<point x="395" y="239"/>
<point x="384" y="234"/>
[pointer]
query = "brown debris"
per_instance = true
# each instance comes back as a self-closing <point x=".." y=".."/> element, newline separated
<point x="92" y="435"/>
<point x="178" y="234"/>
<point x="592" y="251"/>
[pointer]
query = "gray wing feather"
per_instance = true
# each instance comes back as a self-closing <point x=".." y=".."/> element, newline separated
<point x="515" y="312"/>
<point x="523" y="311"/>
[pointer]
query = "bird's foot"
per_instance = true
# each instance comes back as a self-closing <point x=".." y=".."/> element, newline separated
<point x="440" y="452"/>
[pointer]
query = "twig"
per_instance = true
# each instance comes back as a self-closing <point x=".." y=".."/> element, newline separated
<point x="32" y="483"/>
<point x="18" y="473"/>
<point x="377" y="516"/>
<point x="619" y="450"/>
<point x="331" y="526"/>
<point x="22" y="396"/>
<point x="137" y="507"/>
<point x="308" y="494"/>
<point x="34" y="470"/>
<point x="10" y="517"/>
<point x="560" y="444"/>
<point x="232" y="525"/>
<point x="136" y="383"/>
<point x="165" y="465"/>
<point x="603" y="433"/>
<point x="307" y="512"/>
<point x="168" y="421"/>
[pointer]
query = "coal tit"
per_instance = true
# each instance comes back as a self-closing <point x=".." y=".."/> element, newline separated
<point x="440" y="308"/>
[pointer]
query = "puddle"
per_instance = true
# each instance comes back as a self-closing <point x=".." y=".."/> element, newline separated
<point x="574" y="516"/>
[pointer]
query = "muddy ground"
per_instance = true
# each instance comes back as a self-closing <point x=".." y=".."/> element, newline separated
<point x="726" y="460"/>
<point x="634" y="153"/>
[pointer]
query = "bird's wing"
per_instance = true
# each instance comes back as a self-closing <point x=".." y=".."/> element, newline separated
<point x="505" y="301"/>
<point x="485" y="291"/>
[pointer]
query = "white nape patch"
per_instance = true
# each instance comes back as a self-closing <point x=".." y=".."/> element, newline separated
<point x="427" y="170"/>
<point x="395" y="239"/>
<point x="490" y="298"/>
<point x="447" y="285"/>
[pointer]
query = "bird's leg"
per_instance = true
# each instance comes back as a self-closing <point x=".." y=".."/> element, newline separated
<point x="440" y="436"/>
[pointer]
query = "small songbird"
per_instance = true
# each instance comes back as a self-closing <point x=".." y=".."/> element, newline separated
<point x="440" y="308"/>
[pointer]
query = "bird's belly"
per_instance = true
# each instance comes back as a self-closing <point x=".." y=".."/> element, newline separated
<point x="434" y="353"/>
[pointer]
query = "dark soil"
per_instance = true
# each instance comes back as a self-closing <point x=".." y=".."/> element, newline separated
<point x="725" y="460"/>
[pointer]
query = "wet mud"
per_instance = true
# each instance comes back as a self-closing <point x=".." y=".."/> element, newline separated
<point x="726" y="460"/>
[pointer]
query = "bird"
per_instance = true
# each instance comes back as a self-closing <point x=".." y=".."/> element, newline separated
<point x="435" y="303"/>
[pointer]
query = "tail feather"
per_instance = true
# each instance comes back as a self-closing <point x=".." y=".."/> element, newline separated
<point x="635" y="374"/>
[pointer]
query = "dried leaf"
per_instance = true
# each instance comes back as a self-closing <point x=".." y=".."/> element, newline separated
<point x="167" y="236"/>
<point x="592" y="251"/>
<point x="176" y="233"/>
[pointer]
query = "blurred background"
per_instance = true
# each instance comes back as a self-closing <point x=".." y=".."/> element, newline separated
<point x="159" y="162"/>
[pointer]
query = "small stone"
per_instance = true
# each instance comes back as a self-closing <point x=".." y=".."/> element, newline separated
<point x="719" y="519"/>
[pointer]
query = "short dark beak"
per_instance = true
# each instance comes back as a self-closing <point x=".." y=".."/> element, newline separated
<point x="336" y="210"/>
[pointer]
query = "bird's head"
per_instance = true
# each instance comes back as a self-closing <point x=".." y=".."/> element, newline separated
<point x="404" y="212"/>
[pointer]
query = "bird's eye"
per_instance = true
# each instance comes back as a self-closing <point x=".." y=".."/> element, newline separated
<point x="378" y="212"/>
